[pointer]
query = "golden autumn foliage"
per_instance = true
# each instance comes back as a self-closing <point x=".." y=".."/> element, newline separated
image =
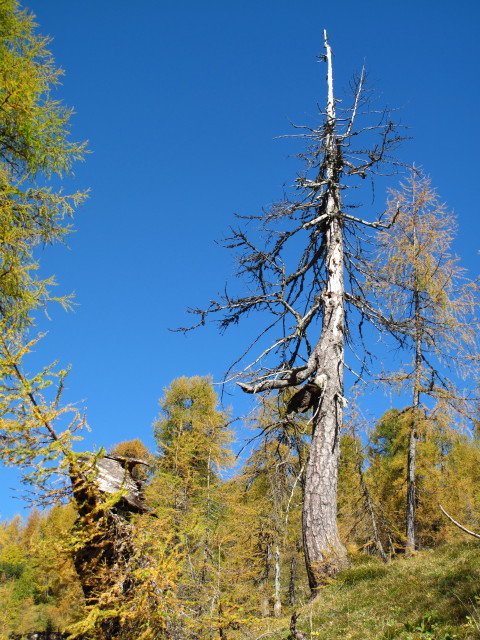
<point x="222" y="553"/>
<point x="217" y="552"/>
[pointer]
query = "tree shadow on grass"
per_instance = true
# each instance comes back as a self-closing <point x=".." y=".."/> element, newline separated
<point x="361" y="573"/>
<point x="460" y="590"/>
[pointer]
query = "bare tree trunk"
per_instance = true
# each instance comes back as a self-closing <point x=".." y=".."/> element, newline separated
<point x="277" y="606"/>
<point x="292" y="583"/>
<point x="411" y="490"/>
<point x="263" y="585"/>
<point x="295" y="634"/>
<point x="313" y="289"/>
<point x="412" y="445"/>
<point x="324" y="552"/>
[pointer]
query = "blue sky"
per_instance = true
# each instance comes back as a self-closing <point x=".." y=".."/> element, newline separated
<point x="181" y="103"/>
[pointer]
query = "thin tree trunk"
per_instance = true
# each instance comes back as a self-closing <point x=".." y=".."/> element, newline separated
<point x="277" y="607"/>
<point x="412" y="445"/>
<point x="292" y="583"/>
<point x="369" y="505"/>
<point x="411" y="491"/>
<point x="324" y="552"/>
<point x="264" y="599"/>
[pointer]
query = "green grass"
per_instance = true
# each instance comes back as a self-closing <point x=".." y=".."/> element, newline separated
<point x="434" y="594"/>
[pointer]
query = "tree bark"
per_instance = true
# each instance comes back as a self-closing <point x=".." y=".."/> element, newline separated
<point x="324" y="552"/>
<point x="295" y="634"/>
<point x="308" y="290"/>
<point x="292" y="583"/>
<point x="411" y="490"/>
<point x="412" y="445"/>
<point x="263" y="585"/>
<point x="277" y="606"/>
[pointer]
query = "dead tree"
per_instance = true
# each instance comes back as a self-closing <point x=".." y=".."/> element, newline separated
<point x="106" y="495"/>
<point x="305" y="297"/>
<point x="295" y="634"/>
<point x="106" y="552"/>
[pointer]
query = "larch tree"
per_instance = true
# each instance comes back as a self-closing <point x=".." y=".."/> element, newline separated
<point x="193" y="440"/>
<point x="386" y="475"/>
<point x="446" y="473"/>
<point x="273" y="477"/>
<point x="432" y="304"/>
<point x="34" y="145"/>
<point x="300" y="274"/>
<point x="36" y="429"/>
<point x="360" y="517"/>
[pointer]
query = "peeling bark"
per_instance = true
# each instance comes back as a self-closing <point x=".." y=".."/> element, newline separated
<point x="324" y="551"/>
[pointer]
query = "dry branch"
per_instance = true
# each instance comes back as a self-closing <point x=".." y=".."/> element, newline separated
<point x="457" y="524"/>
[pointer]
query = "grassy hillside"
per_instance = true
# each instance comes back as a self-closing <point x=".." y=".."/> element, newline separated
<point x="435" y="594"/>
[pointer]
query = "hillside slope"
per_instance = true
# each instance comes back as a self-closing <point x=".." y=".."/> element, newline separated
<point x="434" y="594"/>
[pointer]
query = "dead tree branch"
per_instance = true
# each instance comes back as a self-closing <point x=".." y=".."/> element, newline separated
<point x="457" y="524"/>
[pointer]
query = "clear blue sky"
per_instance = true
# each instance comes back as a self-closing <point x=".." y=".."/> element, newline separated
<point x="180" y="102"/>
